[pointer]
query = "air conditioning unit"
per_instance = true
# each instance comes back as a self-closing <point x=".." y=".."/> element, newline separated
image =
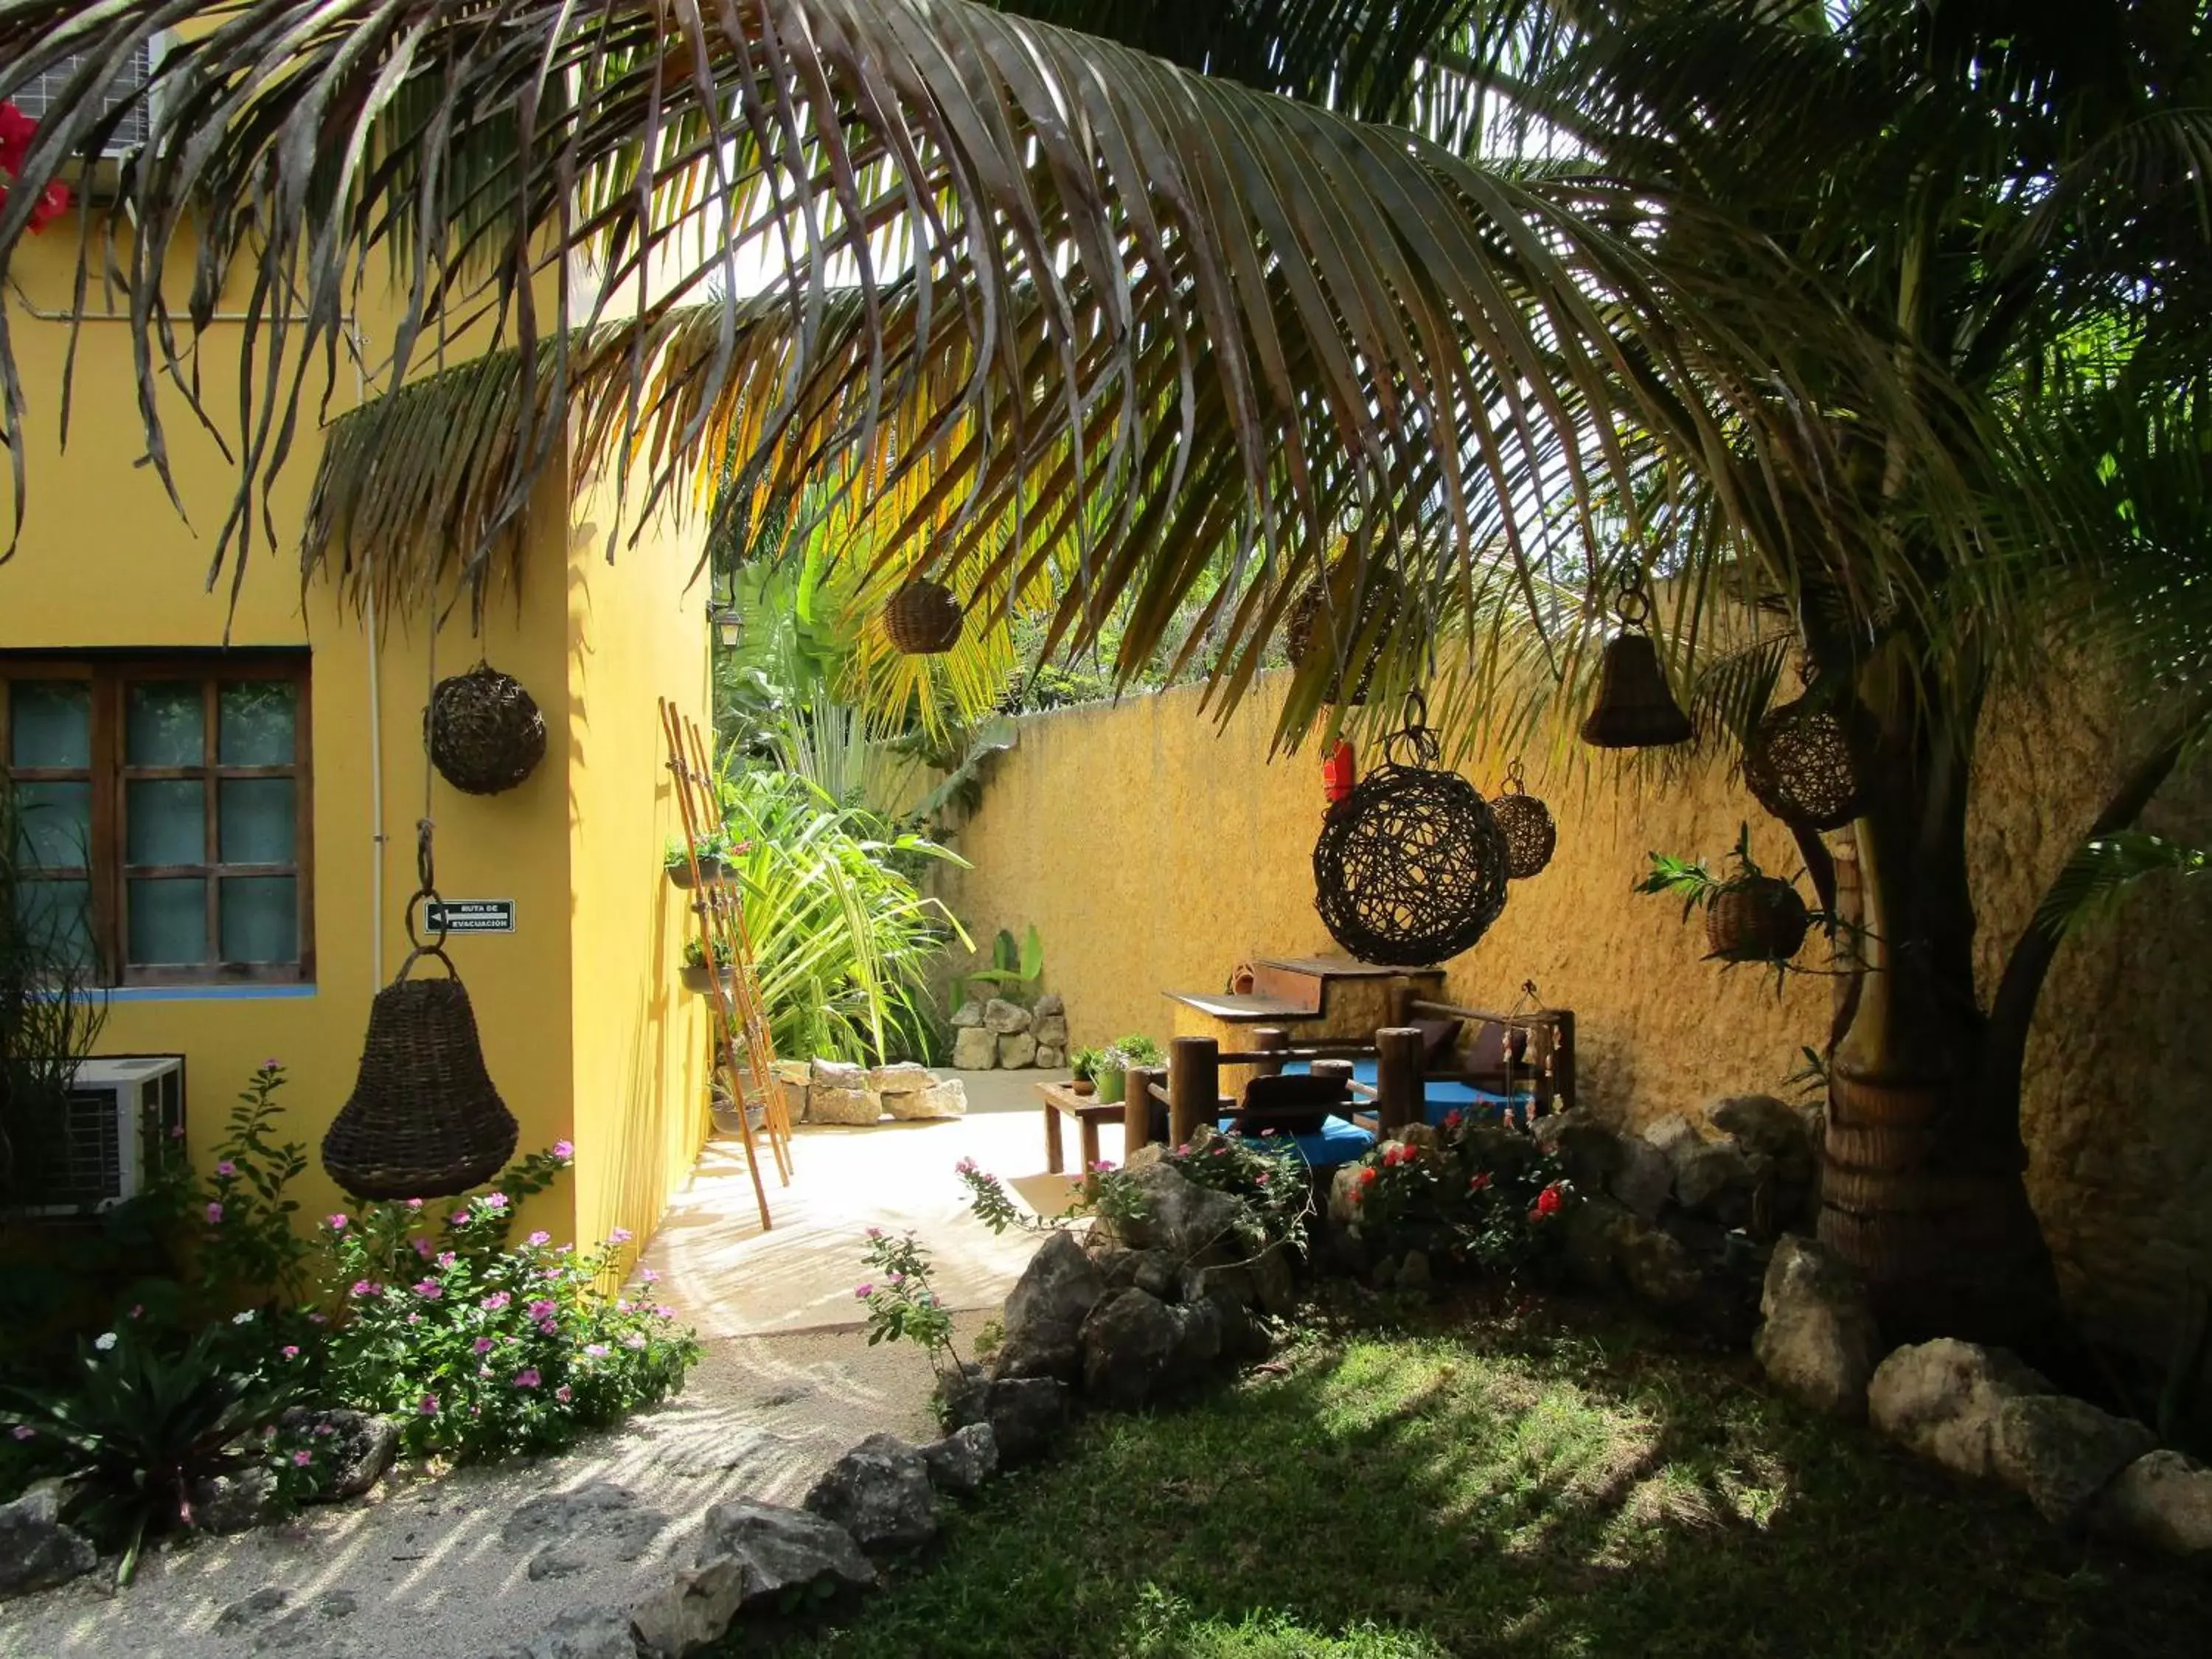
<point x="101" y="181"/>
<point x="124" y="1115"/>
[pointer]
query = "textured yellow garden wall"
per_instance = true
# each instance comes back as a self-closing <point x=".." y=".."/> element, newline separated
<point x="1154" y="851"/>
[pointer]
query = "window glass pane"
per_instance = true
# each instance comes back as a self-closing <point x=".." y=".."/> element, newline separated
<point x="260" y="919"/>
<point x="256" y="823"/>
<point x="169" y="921"/>
<point x="50" y="723"/>
<point x="164" y="725"/>
<point x="165" y="820"/>
<point x="256" y="723"/>
<point x="54" y="824"/>
<point x="56" y="914"/>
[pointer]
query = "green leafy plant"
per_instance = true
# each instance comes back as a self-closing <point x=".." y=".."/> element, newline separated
<point x="902" y="1304"/>
<point x="1083" y="1063"/>
<point x="248" y="1249"/>
<point x="1264" y="1173"/>
<point x="1469" y="1192"/>
<point x="142" y="1423"/>
<point x="1016" y="971"/>
<point x="695" y="954"/>
<point x="709" y="848"/>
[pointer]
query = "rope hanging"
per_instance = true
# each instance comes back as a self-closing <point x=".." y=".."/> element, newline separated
<point x="1411" y="867"/>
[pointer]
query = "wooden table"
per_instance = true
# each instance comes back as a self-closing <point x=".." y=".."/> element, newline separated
<point x="1088" y="1111"/>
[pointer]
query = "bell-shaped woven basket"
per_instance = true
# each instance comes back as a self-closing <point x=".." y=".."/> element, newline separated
<point x="424" y="1120"/>
<point x="484" y="732"/>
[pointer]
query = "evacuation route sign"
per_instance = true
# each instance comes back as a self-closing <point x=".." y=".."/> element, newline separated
<point x="469" y="915"/>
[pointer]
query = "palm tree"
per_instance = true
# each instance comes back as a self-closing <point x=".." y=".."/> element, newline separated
<point x="1875" y="319"/>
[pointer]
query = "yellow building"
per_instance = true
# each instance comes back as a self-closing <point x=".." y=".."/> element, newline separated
<point x="235" y="792"/>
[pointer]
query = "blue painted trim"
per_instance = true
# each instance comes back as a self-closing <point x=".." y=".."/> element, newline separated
<point x="204" y="992"/>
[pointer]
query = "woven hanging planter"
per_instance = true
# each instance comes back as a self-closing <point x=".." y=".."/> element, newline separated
<point x="922" y="618"/>
<point x="1803" y="763"/>
<point x="1634" y="709"/>
<point x="1759" y="919"/>
<point x="1526" y="822"/>
<point x="484" y="732"/>
<point x="1306" y="629"/>
<point x="1411" y="866"/>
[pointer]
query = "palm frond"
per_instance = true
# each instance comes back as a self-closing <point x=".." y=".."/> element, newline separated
<point x="2105" y="868"/>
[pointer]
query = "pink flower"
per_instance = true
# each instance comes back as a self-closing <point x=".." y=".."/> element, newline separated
<point x="429" y="1289"/>
<point x="564" y="1150"/>
<point x="429" y="1405"/>
<point x="862" y="1292"/>
<point x="495" y="1302"/>
<point x="414" y="1319"/>
<point x="24" y="1432"/>
<point x="423" y="1249"/>
<point x="214" y="1215"/>
<point x="543" y="1309"/>
<point x="177" y="1133"/>
<point x="595" y="1351"/>
<point x="318" y="1319"/>
<point x="547" y="1327"/>
<point x="647" y="1276"/>
<point x="564" y="1393"/>
<point x="416" y="1204"/>
<point x="493" y="1201"/>
<point x="527" y="1379"/>
<point x="539" y="1239"/>
<point x="623" y="1306"/>
<point x="366" y="1287"/>
<point x="634" y="1340"/>
<point x="226" y="1169"/>
<point x="662" y="1310"/>
<point x="303" y="1457"/>
<point x="1260" y="1178"/>
<point x="337" y="1224"/>
<point x="875" y="1232"/>
<point x="1102" y="1166"/>
<point x="965" y="1166"/>
<point x="482" y="1344"/>
<point x="290" y="1351"/>
<point x="620" y="1236"/>
<point x="446" y="1258"/>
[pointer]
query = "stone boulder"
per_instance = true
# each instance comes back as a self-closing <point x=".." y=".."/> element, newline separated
<point x="969" y="1013"/>
<point x="2161" y="1501"/>
<point x="38" y="1550"/>
<point x="837" y="1074"/>
<point x="751" y="1555"/>
<point x="2063" y="1452"/>
<point x="358" y="1447"/>
<point x="1588" y="1153"/>
<point x="799" y="1072"/>
<point x="1050" y="1004"/>
<point x="1136" y="1347"/>
<point x="1050" y="1030"/>
<point x="583" y="1633"/>
<point x="1644" y="1179"/>
<point x="945" y="1099"/>
<point x="856" y="1107"/>
<point x="1025" y="1414"/>
<point x="962" y="1460"/>
<point x="1156" y="1272"/>
<point x="1818" y="1341"/>
<point x="975" y="1049"/>
<point x="1234" y="1294"/>
<point x="1762" y="1124"/>
<point x="1656" y="1267"/>
<point x="1344" y="1186"/>
<point x="1178" y="1216"/>
<point x="237" y="1502"/>
<point x="880" y="1493"/>
<point x="1005" y="1017"/>
<point x="1941" y="1399"/>
<point x="1044" y="1314"/>
<point x="1713" y="1178"/>
<point x="1049" y="1057"/>
<point x="1017" y="1050"/>
<point x="1669" y="1132"/>
<point x="905" y="1078"/>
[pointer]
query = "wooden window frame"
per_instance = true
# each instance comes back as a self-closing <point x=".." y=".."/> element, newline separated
<point x="109" y="677"/>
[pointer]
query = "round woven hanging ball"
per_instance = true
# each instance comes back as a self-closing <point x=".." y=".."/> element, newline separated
<point x="1306" y="629"/>
<point x="1802" y="765"/>
<point x="1531" y="834"/>
<point x="1410" y="868"/>
<point x="922" y="618"/>
<point x="484" y="732"/>
<point x="1762" y="920"/>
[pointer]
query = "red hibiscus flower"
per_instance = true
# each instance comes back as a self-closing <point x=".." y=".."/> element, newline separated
<point x="15" y="132"/>
<point x="1480" y="1183"/>
<point x="1548" y="1200"/>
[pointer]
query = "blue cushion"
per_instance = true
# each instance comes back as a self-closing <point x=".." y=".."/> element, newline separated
<point x="1335" y="1142"/>
<point x="1442" y="1096"/>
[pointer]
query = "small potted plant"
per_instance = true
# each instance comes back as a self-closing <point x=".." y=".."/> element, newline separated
<point x="1109" y="1069"/>
<point x="707" y="852"/>
<point x="1750" y="916"/>
<point x="695" y="975"/>
<point x="1083" y="1063"/>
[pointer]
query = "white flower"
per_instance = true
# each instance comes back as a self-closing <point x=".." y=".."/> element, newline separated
<point x="245" y="1318"/>
<point x="104" y="1341"/>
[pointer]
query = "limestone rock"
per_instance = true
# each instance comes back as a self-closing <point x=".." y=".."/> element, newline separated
<point x="1233" y="1293"/>
<point x="1156" y="1272"/>
<point x="1050" y="1058"/>
<point x="1016" y="1051"/>
<point x="1005" y="1017"/>
<point x="598" y="1520"/>
<point x="945" y="1099"/>
<point x="849" y="1106"/>
<point x="37" y="1549"/>
<point x="1026" y="1414"/>
<point x="1595" y="1228"/>
<point x="1144" y="1158"/>
<point x="1713" y="1178"/>
<point x="838" y="1075"/>
<point x="236" y="1502"/>
<point x="1344" y="1186"/>
<point x="1045" y="1313"/>
<point x="801" y="1072"/>
<point x="1273" y="1278"/>
<point x="1819" y="1340"/>
<point x="969" y="1013"/>
<point x="1178" y="1215"/>
<point x="357" y="1447"/>
<point x="1644" y="1179"/>
<point x="691" y="1613"/>
<point x="1760" y="1123"/>
<point x="880" y="1493"/>
<point x="962" y="1461"/>
<point x="904" y="1078"/>
<point x="1050" y="1029"/>
<point x="975" y="1049"/>
<point x="1669" y="1132"/>
<point x="2062" y="1451"/>
<point x="780" y="1549"/>
<point x="1941" y="1398"/>
<point x="1050" y="1004"/>
<point x="1136" y="1347"/>
<point x="1413" y="1273"/>
<point x="2162" y="1501"/>
<point x="1657" y="1266"/>
<point x="584" y="1633"/>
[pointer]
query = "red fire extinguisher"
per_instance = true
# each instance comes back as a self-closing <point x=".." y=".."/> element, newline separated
<point x="1338" y="773"/>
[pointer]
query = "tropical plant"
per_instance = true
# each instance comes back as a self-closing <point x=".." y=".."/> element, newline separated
<point x="1016" y="971"/>
<point x="707" y="850"/>
<point x="695" y="954"/>
<point x="843" y="941"/>
<point x="902" y="1300"/>
<point x="247" y="1250"/>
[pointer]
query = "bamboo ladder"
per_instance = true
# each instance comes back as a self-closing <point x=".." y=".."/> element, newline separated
<point x="719" y="923"/>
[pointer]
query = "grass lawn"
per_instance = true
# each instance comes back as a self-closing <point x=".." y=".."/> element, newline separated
<point x="1471" y="1483"/>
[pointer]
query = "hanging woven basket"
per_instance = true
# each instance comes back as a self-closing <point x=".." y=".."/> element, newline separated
<point x="1306" y="629"/>
<point x="1760" y="919"/>
<point x="1526" y="822"/>
<point x="1804" y="763"/>
<point x="484" y="732"/>
<point x="1411" y="867"/>
<point x="922" y="618"/>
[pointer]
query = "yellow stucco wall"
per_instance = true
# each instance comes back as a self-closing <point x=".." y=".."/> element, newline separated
<point x="571" y="1005"/>
<point x="1153" y="850"/>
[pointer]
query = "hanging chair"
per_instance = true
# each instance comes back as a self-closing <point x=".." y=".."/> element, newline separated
<point x="1531" y="834"/>
<point x="1411" y="866"/>
<point x="1634" y="709"/>
<point x="922" y="618"/>
<point x="1381" y="598"/>
<point x="423" y="1119"/>
<point x="1803" y="761"/>
<point x="483" y="730"/>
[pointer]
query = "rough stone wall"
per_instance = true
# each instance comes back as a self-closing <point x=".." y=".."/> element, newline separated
<point x="1155" y="850"/>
